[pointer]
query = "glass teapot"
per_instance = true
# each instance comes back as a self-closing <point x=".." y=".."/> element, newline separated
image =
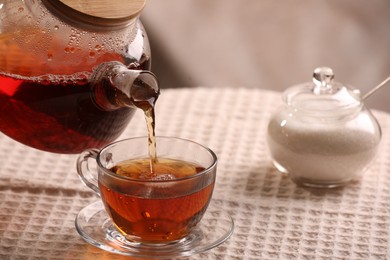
<point x="72" y="73"/>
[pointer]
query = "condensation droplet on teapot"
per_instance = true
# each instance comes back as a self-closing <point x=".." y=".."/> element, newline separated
<point x="49" y="56"/>
<point x="98" y="48"/>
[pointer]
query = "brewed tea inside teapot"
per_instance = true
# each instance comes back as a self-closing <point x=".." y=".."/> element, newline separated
<point x="72" y="73"/>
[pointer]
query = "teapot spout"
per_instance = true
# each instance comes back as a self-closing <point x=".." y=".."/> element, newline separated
<point x="116" y="86"/>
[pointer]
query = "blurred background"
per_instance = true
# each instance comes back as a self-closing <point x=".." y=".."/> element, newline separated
<point x="270" y="44"/>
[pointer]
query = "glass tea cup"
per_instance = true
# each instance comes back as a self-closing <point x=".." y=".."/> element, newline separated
<point x="152" y="208"/>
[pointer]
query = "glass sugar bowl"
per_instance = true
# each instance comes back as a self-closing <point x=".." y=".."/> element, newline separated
<point x="324" y="136"/>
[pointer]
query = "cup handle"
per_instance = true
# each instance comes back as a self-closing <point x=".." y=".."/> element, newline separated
<point x="84" y="172"/>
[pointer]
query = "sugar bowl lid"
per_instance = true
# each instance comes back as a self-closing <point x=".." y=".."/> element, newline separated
<point x="323" y="94"/>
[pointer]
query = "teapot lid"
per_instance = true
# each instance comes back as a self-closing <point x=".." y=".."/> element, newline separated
<point x="99" y="13"/>
<point x="323" y="94"/>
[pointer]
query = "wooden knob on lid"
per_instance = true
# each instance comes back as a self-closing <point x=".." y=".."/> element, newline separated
<point x="104" y="13"/>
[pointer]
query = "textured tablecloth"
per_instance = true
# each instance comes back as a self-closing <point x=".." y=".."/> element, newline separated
<point x="40" y="193"/>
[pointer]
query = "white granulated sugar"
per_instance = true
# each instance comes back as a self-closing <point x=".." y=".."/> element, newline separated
<point x="326" y="151"/>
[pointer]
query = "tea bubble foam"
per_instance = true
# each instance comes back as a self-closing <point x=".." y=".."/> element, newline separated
<point x="164" y="177"/>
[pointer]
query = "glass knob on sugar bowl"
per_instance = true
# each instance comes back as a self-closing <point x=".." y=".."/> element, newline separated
<point x="324" y="136"/>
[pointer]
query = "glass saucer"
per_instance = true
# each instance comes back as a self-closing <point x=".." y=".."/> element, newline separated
<point x="94" y="225"/>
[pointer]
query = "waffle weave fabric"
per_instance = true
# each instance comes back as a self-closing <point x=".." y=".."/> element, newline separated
<point x="41" y="194"/>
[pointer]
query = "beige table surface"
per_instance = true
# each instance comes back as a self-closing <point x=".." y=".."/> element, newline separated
<point x="40" y="193"/>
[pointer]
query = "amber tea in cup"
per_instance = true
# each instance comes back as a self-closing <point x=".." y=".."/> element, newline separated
<point x="152" y="207"/>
